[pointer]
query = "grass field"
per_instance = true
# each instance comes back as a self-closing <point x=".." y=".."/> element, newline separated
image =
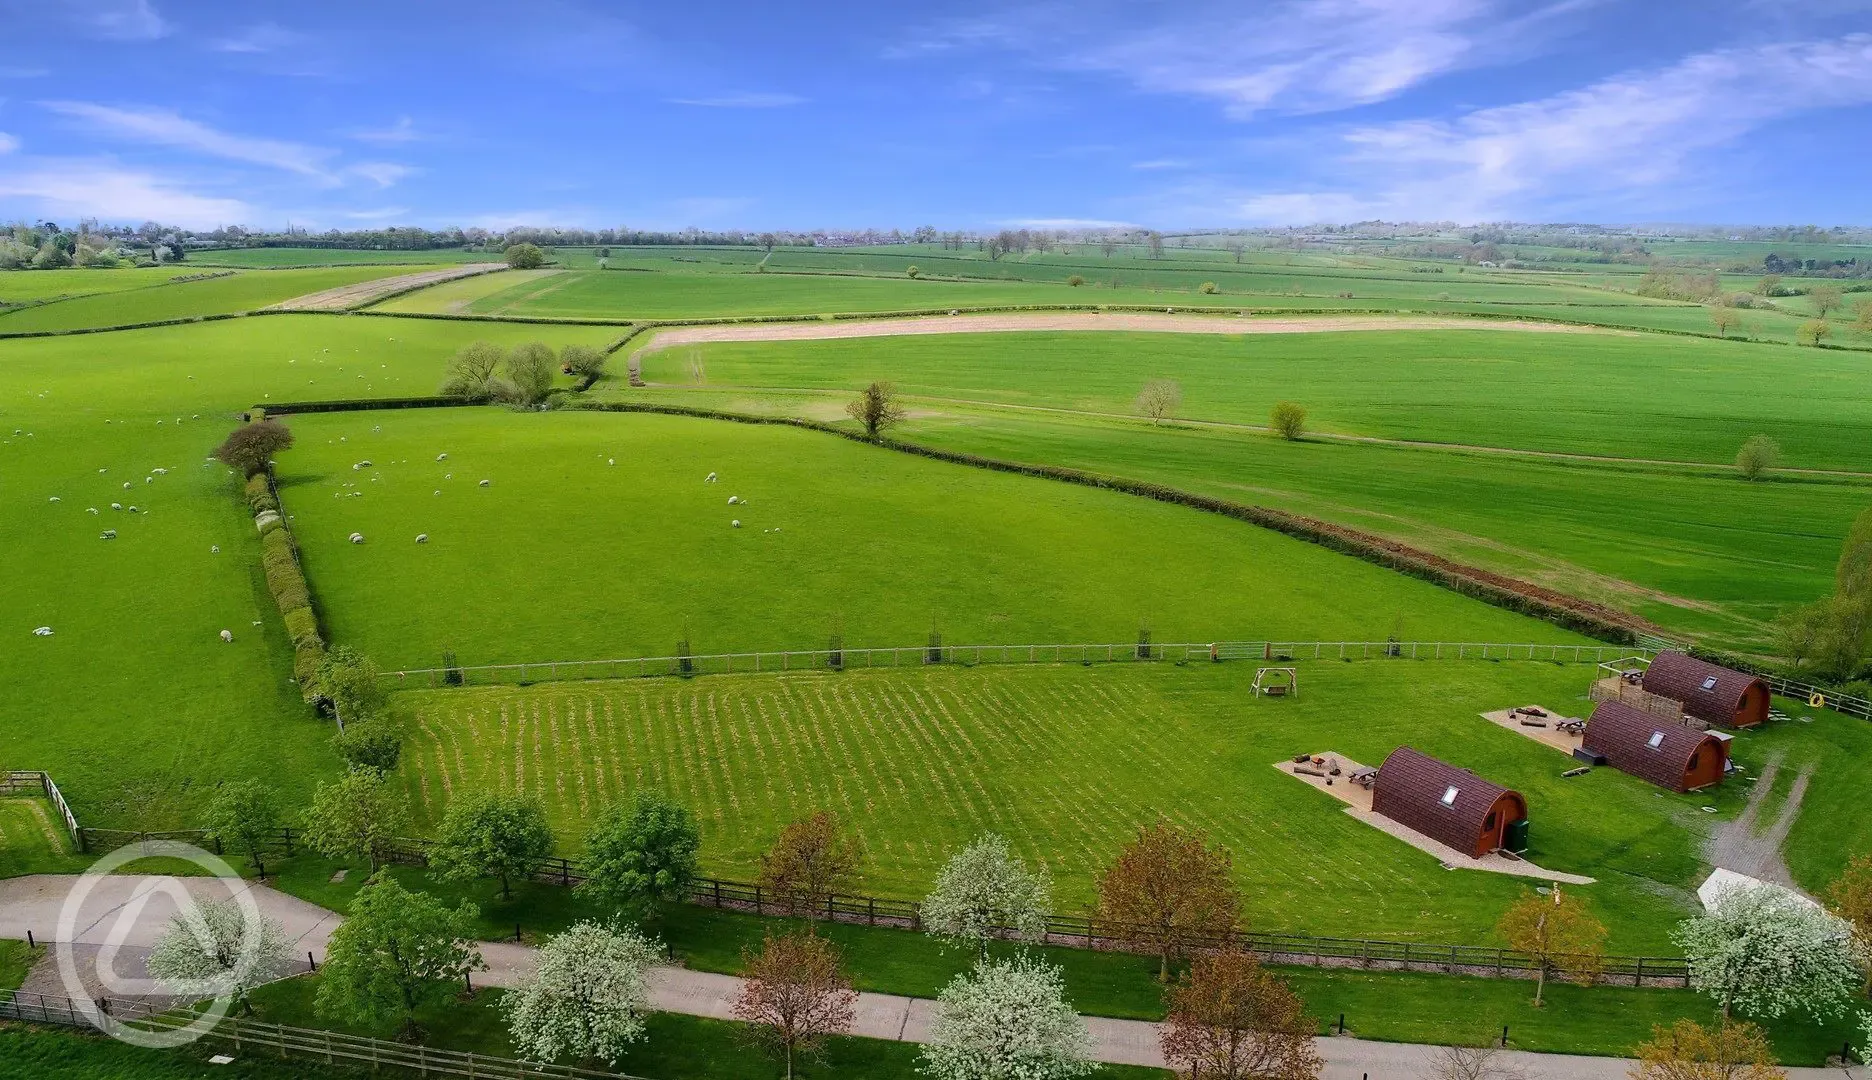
<point x="920" y="761"/>
<point x="33" y="286"/>
<point x="134" y="704"/>
<point x="184" y="299"/>
<point x="263" y="258"/>
<point x="640" y="554"/>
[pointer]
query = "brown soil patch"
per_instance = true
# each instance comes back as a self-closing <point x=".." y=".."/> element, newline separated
<point x="1549" y="735"/>
<point x="1147" y="322"/>
<point x="346" y="297"/>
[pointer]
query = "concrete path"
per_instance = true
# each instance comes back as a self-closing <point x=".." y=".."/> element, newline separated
<point x="125" y="911"/>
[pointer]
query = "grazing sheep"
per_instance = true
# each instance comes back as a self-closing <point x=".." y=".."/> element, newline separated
<point x="709" y="479"/>
<point x="91" y="510"/>
<point x="485" y="483"/>
<point x="441" y="457"/>
<point x="227" y="635"/>
<point x="214" y="549"/>
<point x="108" y="534"/>
<point x="55" y="498"/>
<point x="149" y="479"/>
<point x="736" y="523"/>
<point x="733" y="499"/>
<point x="160" y="472"/>
<point x="116" y="506"/>
<point x="438" y="491"/>
<point x="422" y="538"/>
<point x="42" y="631"/>
<point x="126" y="485"/>
<point x="357" y="538"/>
<point x="133" y="509"/>
<point x="610" y="461"/>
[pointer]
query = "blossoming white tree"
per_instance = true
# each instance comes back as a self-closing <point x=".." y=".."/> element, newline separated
<point x="211" y="950"/>
<point x="589" y="997"/>
<point x="1007" y="1020"/>
<point x="985" y="886"/>
<point x="1764" y="952"/>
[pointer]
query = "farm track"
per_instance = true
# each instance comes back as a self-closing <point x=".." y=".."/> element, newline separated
<point x="346" y="297"/>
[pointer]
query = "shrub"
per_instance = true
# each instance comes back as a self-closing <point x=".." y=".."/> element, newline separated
<point x="1075" y="281"/>
<point x="370" y="744"/>
<point x="529" y="374"/>
<point x="1813" y="332"/>
<point x="301" y="625"/>
<point x="1208" y="288"/>
<point x="525" y="257"/>
<point x="250" y="447"/>
<point x="1288" y="420"/>
<point x="583" y="361"/>
<point x="914" y="272"/>
<point x="471" y="369"/>
<point x="258" y="488"/>
<point x="290" y="591"/>
<point x="1757" y="456"/>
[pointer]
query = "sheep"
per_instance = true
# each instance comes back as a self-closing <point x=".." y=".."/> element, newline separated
<point x="709" y="479"/>
<point x="736" y="523"/>
<point x="485" y="483"/>
<point x="116" y="506"/>
<point x="108" y="534"/>
<point x="442" y="457"/>
<point x="133" y="509"/>
<point x="733" y="499"/>
<point x="422" y="538"/>
<point x="438" y="491"/>
<point x="55" y="498"/>
<point x="91" y="509"/>
<point x="227" y="635"/>
<point x="160" y="472"/>
<point x="611" y="461"/>
<point x="149" y="479"/>
<point x="214" y="549"/>
<point x="126" y="485"/>
<point x="42" y="631"/>
<point x="357" y="538"/>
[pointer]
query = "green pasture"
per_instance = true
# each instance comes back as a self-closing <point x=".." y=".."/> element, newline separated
<point x="1637" y="396"/>
<point x="459" y="297"/>
<point x="249" y="291"/>
<point x="567" y="556"/>
<point x="38" y="286"/>
<point x="1067" y="761"/>
<point x="134" y="703"/>
<point x="265" y="258"/>
<point x="32" y="841"/>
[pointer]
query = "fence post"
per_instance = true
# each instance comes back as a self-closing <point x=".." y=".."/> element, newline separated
<point x="718" y="892"/>
<point x="1638" y="976"/>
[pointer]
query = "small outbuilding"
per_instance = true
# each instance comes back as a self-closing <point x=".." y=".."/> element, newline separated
<point x="1646" y="746"/>
<point x="1452" y="806"/>
<point x="1712" y="694"/>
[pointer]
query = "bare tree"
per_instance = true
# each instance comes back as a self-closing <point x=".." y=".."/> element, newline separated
<point x="793" y="995"/>
<point x="1229" y="1019"/>
<point x="876" y="408"/>
<point x="1471" y="1063"/>
<point x="810" y="861"/>
<point x="1108" y="245"/>
<point x="1235" y="248"/>
<point x="1167" y="891"/>
<point x="1556" y="931"/>
<point x="1160" y="399"/>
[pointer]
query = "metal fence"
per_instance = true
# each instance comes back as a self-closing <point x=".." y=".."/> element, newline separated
<point x="970" y="655"/>
<point x="317" y="1044"/>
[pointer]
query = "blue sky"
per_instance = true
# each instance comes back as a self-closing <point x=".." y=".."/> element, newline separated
<point x="719" y="114"/>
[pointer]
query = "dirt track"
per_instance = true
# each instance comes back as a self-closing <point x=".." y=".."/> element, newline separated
<point x="349" y="296"/>
<point x="1147" y="322"/>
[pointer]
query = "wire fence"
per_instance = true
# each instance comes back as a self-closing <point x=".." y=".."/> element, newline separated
<point x="255" y="1037"/>
<point x="841" y="659"/>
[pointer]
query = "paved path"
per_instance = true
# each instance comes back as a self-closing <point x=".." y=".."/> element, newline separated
<point x="124" y="909"/>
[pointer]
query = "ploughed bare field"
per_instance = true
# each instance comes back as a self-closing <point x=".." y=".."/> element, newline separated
<point x="349" y="296"/>
<point x="1149" y="322"/>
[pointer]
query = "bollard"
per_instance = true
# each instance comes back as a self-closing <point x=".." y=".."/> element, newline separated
<point x="311" y="963"/>
<point x="30" y="943"/>
<point x="516" y="931"/>
<point x="468" y="983"/>
<point x="1504" y="1036"/>
<point x="1342" y="1023"/>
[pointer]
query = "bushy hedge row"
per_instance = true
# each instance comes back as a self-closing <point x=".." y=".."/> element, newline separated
<point x="260" y="495"/>
<point x="279" y="558"/>
<point x="137" y="325"/>
<point x="276" y="408"/>
<point x="1300" y="528"/>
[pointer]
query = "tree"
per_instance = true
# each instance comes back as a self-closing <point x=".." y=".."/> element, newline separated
<point x="1800" y="631"/>
<point x="983" y="888"/>
<point x="1725" y="318"/>
<point x="582" y="361"/>
<point x="524" y="257"/>
<point x="1160" y="399"/>
<point x="1814" y="332"/>
<point x="1689" y="1051"/>
<point x="1075" y="281"/>
<point x="1167" y="890"/>
<point x="1288" y="420"/>
<point x="352" y="815"/>
<point x="250" y="447"/>
<point x="810" y="861"/>
<point x="913" y="272"/>
<point x="244" y="817"/>
<point x="1850" y="898"/>
<point x="876" y="408"/>
<point x="1558" y="932"/>
<point x="1229" y="1019"/>
<point x="588" y="997"/>
<point x="395" y="952"/>
<point x="491" y="834"/>
<point x="1007" y="1020"/>
<point x="643" y="857"/>
<point x="1863" y="322"/>
<point x="1769" y="285"/>
<point x="372" y="743"/>
<point x="352" y="683"/>
<point x="471" y="371"/>
<point x="1824" y="299"/>
<point x="1235" y="248"/>
<point x="529" y="374"/>
<point x="1208" y="288"/>
<point x="794" y="995"/>
<point x="211" y="950"/>
<point x="1767" y="953"/>
<point x="1471" y="1063"/>
<point x="1107" y="245"/>
<point x="1155" y="240"/>
<point x="1759" y="454"/>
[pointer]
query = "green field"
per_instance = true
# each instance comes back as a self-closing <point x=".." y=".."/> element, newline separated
<point x="134" y="704"/>
<point x="36" y="286"/>
<point x="183" y="300"/>
<point x="638" y="555"/>
<point x="262" y="258"/>
<point x="1066" y="761"/>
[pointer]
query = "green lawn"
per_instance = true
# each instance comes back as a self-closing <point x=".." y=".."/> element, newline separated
<point x="16" y="962"/>
<point x="134" y="704"/>
<point x="1067" y="761"/>
<point x="247" y="291"/>
<point x="52" y="1053"/>
<point x="33" y="841"/>
<point x="568" y="557"/>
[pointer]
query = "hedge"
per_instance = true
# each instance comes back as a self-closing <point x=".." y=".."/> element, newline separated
<point x="279" y="559"/>
<point x="1475" y="583"/>
<point x="260" y="496"/>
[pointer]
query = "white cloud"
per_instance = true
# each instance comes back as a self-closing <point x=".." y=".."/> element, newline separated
<point x="381" y="173"/>
<point x="1161" y="163"/>
<point x="121" y="20"/>
<point x="260" y="38"/>
<point x="403" y="131"/>
<point x="1063" y="223"/>
<point x="165" y="128"/>
<point x="386" y="213"/>
<point x="1293" y="56"/>
<point x="8" y="143"/>
<point x="64" y="188"/>
<point x="1635" y="139"/>
<point x="742" y="101"/>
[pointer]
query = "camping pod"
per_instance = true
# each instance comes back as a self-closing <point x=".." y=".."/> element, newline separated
<point x="1650" y="748"/>
<point x="1712" y="694"/>
<point x="1452" y="806"/>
